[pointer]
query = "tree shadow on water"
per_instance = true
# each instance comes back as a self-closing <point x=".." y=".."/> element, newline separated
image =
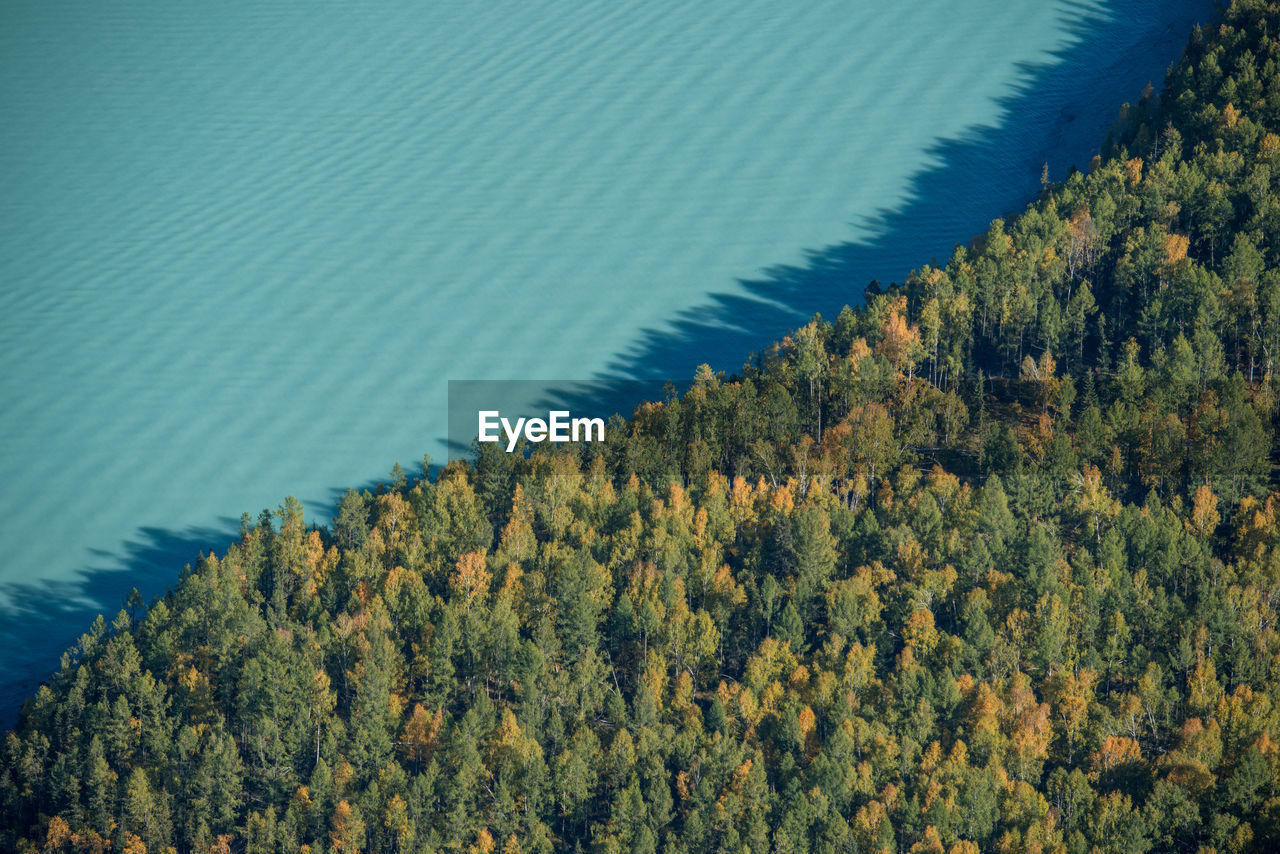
<point x="42" y="619"/>
<point x="1058" y="113"/>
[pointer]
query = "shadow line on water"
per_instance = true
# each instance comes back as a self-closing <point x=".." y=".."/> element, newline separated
<point x="43" y="619"/>
<point x="1058" y="114"/>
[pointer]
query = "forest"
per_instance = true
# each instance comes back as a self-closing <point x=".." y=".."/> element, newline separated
<point x="989" y="563"/>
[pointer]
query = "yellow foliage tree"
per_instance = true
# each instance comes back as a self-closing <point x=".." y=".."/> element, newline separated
<point x="900" y="341"/>
<point x="471" y="580"/>
<point x="1204" y="513"/>
<point x="1094" y="500"/>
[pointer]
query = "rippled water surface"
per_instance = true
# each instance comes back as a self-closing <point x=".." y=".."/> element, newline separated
<point x="243" y="246"/>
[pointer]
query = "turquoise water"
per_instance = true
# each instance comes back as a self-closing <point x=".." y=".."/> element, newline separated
<point x="245" y="245"/>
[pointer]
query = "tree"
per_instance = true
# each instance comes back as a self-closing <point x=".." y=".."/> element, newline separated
<point x="811" y="363"/>
<point x="814" y="549"/>
<point x="900" y="342"/>
<point x="346" y="828"/>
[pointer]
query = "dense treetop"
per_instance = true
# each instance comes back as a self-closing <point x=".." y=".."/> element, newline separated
<point x="991" y="563"/>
